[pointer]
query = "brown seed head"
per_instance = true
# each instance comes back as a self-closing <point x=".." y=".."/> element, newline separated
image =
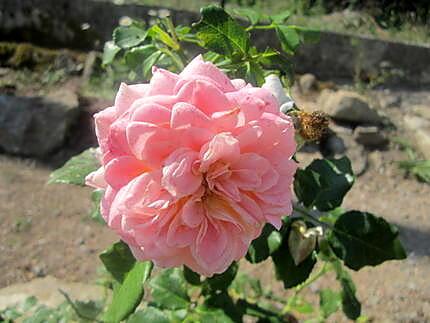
<point x="312" y="125"/>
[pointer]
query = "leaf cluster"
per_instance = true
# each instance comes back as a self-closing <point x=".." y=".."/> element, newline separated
<point x="225" y="40"/>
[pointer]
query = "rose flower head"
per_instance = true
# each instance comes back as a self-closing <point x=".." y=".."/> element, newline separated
<point x="193" y="166"/>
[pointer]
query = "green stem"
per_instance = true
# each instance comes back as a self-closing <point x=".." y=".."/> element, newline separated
<point x="172" y="31"/>
<point x="325" y="268"/>
<point x="175" y="58"/>
<point x="271" y="26"/>
<point x="308" y="216"/>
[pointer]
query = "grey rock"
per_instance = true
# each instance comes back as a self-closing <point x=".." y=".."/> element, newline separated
<point x="349" y="107"/>
<point x="335" y="145"/>
<point x="370" y="137"/>
<point x="390" y="100"/>
<point x="344" y="145"/>
<point x="35" y="126"/>
<point x="419" y="130"/>
<point x="307" y="83"/>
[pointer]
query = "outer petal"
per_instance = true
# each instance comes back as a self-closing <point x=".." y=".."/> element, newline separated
<point x="127" y="94"/>
<point x="162" y="82"/>
<point x="151" y="113"/>
<point x="119" y="171"/>
<point x="150" y="143"/>
<point x="198" y="69"/>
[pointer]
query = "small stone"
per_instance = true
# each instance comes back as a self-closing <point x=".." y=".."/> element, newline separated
<point x="370" y="137"/>
<point x="80" y="241"/>
<point x="349" y="107"/>
<point x="38" y="271"/>
<point x="307" y="83"/>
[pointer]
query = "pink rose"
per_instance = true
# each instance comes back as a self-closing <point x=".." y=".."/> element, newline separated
<point x="193" y="166"/>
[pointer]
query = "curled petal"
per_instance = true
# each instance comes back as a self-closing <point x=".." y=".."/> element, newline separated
<point x="96" y="179"/>
<point x="178" y="178"/>
<point x="222" y="147"/>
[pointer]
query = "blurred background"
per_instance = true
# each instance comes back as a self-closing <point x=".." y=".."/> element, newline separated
<point x="372" y="57"/>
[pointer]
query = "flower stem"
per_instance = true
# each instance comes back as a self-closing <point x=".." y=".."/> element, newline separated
<point x="308" y="216"/>
<point x="271" y="26"/>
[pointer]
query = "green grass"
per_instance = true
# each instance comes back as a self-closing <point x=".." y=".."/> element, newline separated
<point x="351" y="22"/>
<point x="413" y="165"/>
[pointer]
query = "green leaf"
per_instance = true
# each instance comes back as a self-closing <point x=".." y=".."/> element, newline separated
<point x="330" y="302"/>
<point x="95" y="214"/>
<point x="129" y="294"/>
<point x="76" y="169"/>
<point x="257" y="310"/>
<point x="222" y="300"/>
<point x="129" y="36"/>
<point x="350" y="304"/>
<point x="88" y="310"/>
<point x="118" y="260"/>
<point x="246" y="286"/>
<point x="212" y="315"/>
<point x="149" y="62"/>
<point x="362" y="239"/>
<point x="191" y="277"/>
<point x="110" y="51"/>
<point x="308" y="35"/>
<point x="137" y="55"/>
<point x="324" y="183"/>
<point x="254" y="73"/>
<point x="280" y="18"/>
<point x="253" y="16"/>
<point x="288" y="37"/>
<point x="300" y="305"/>
<point x="169" y="289"/>
<point x="419" y="168"/>
<point x="29" y="303"/>
<point x="156" y="32"/>
<point x="218" y="32"/>
<point x="286" y="270"/>
<point x="222" y="281"/>
<point x="266" y="244"/>
<point x="150" y="315"/>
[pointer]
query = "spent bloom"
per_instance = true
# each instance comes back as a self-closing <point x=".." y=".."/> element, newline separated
<point x="193" y="166"/>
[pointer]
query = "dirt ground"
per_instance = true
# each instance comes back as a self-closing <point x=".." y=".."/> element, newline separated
<point x="45" y="230"/>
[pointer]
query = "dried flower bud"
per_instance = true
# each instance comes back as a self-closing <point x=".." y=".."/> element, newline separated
<point x="312" y="126"/>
